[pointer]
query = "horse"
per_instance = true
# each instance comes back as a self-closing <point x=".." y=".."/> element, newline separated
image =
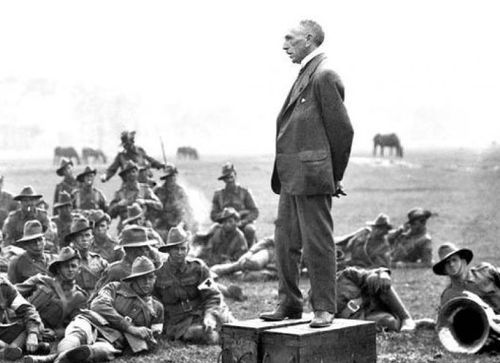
<point x="187" y="152"/>
<point x="93" y="155"/>
<point x="66" y="152"/>
<point x="387" y="140"/>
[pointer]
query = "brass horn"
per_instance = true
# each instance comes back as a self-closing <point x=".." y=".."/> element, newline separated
<point x="465" y="323"/>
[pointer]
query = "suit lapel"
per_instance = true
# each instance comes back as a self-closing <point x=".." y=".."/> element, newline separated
<point x="302" y="81"/>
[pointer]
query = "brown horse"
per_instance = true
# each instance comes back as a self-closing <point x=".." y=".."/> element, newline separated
<point x="66" y="152"/>
<point x="187" y="152"/>
<point x="93" y="155"/>
<point x="387" y="140"/>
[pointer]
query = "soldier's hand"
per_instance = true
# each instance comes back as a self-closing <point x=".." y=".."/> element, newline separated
<point x="141" y="201"/>
<point x="103" y="178"/>
<point x="141" y="332"/>
<point x="209" y="322"/>
<point x="32" y="342"/>
<point x="339" y="189"/>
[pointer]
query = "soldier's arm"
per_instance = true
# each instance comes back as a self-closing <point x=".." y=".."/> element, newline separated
<point x="211" y="296"/>
<point x="216" y="210"/>
<point x="112" y="169"/>
<point x="12" y="273"/>
<point x="238" y="247"/>
<point x="103" y="204"/>
<point x="23" y="309"/>
<point x="27" y="287"/>
<point x="7" y="231"/>
<point x="151" y="200"/>
<point x="56" y="196"/>
<point x="251" y="207"/>
<point x="103" y="304"/>
<point x="116" y="207"/>
<point x="152" y="161"/>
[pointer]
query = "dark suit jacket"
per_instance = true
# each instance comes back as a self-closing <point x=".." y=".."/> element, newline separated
<point x="314" y="133"/>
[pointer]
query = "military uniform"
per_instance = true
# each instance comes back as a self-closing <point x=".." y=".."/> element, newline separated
<point x="482" y="280"/>
<point x="14" y="224"/>
<point x="136" y="154"/>
<point x="130" y="193"/>
<point x="67" y="185"/>
<point x="63" y="225"/>
<point x="7" y="205"/>
<point x="56" y="302"/>
<point x="366" y="251"/>
<point x="224" y="247"/>
<point x="27" y="318"/>
<point x="24" y="266"/>
<point x="91" y="270"/>
<point x="187" y="295"/>
<point x="356" y="299"/>
<point x="407" y="247"/>
<point x="240" y="199"/>
<point x="176" y="209"/>
<point x="105" y="247"/>
<point x="89" y="199"/>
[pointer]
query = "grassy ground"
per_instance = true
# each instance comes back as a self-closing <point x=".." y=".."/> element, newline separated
<point x="461" y="186"/>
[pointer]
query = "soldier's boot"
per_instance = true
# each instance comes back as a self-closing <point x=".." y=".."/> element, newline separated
<point x="226" y="268"/>
<point x="40" y="358"/>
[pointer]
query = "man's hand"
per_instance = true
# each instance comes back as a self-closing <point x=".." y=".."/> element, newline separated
<point x="104" y="178"/>
<point x="209" y="322"/>
<point x="141" y="332"/>
<point x="32" y="342"/>
<point x="339" y="189"/>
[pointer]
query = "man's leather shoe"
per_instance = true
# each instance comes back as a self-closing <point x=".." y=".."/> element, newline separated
<point x="321" y="319"/>
<point x="281" y="314"/>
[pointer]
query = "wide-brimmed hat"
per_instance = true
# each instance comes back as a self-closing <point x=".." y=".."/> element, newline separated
<point x="170" y="169"/>
<point x="78" y="225"/>
<point x="382" y="220"/>
<point x="27" y="193"/>
<point x="227" y="169"/>
<point x="64" y="199"/>
<point x="134" y="236"/>
<point x="97" y="215"/>
<point x="134" y="212"/>
<point x="129" y="165"/>
<point x="445" y="251"/>
<point x="65" y="254"/>
<point x="418" y="213"/>
<point x="176" y="236"/>
<point x="32" y="229"/>
<point x="62" y="164"/>
<point x="140" y="267"/>
<point x="86" y="171"/>
<point x="228" y="212"/>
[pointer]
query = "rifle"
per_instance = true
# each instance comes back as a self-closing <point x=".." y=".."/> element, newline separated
<point x="163" y="151"/>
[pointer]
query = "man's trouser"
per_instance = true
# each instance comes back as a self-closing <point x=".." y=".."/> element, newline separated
<point x="305" y="222"/>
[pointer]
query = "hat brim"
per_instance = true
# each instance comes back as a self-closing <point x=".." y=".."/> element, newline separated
<point x="30" y="238"/>
<point x="69" y="236"/>
<point x="139" y="274"/>
<point x="59" y="205"/>
<point x="131" y="219"/>
<point x="373" y="224"/>
<point x="80" y="176"/>
<point x="149" y="242"/>
<point x="125" y="171"/>
<point x="105" y="217"/>
<point x="165" y="176"/>
<point x="465" y="253"/>
<point x="24" y="197"/>
<point x="53" y="265"/>
<point x="165" y="248"/>
<point x="59" y="171"/>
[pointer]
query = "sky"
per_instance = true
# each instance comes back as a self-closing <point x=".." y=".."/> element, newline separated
<point x="213" y="75"/>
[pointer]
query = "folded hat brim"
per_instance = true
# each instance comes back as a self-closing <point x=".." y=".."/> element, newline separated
<point x="139" y="274"/>
<point x="465" y="253"/>
<point x="30" y="238"/>
<point x="149" y="242"/>
<point x="24" y="196"/>
<point x="69" y="236"/>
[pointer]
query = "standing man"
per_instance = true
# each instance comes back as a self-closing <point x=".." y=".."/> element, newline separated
<point x="69" y="183"/>
<point x="86" y="196"/>
<point x="313" y="144"/>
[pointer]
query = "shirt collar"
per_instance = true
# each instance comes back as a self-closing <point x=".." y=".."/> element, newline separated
<point x="310" y="56"/>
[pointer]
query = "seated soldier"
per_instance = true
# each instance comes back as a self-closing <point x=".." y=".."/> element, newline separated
<point x="131" y="192"/>
<point x="63" y="217"/>
<point x="367" y="247"/>
<point x="411" y="244"/>
<point x="136" y="216"/>
<point x="256" y="264"/>
<point x="235" y="196"/>
<point x="92" y="265"/>
<point x="227" y="244"/>
<point x="122" y="315"/>
<point x="86" y="196"/>
<point x="482" y="280"/>
<point x="194" y="307"/>
<point x="21" y="330"/>
<point x="58" y="299"/>
<point x="34" y="260"/>
<point x="135" y="242"/>
<point x="367" y="294"/>
<point x="104" y="245"/>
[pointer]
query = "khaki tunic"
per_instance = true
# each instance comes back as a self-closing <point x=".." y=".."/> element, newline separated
<point x="24" y="266"/>
<point x="14" y="224"/>
<point x="240" y="199"/>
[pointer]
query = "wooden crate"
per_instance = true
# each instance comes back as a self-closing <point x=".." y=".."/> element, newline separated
<point x="345" y="341"/>
<point x="242" y="341"/>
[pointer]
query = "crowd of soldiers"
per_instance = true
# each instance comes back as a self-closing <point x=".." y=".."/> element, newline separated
<point x="66" y="279"/>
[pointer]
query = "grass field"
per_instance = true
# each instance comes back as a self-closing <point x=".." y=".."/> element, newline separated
<point x="461" y="186"/>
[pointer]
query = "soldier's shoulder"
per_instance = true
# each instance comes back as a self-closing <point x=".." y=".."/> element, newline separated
<point x="14" y="214"/>
<point x="483" y="266"/>
<point x="194" y="261"/>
